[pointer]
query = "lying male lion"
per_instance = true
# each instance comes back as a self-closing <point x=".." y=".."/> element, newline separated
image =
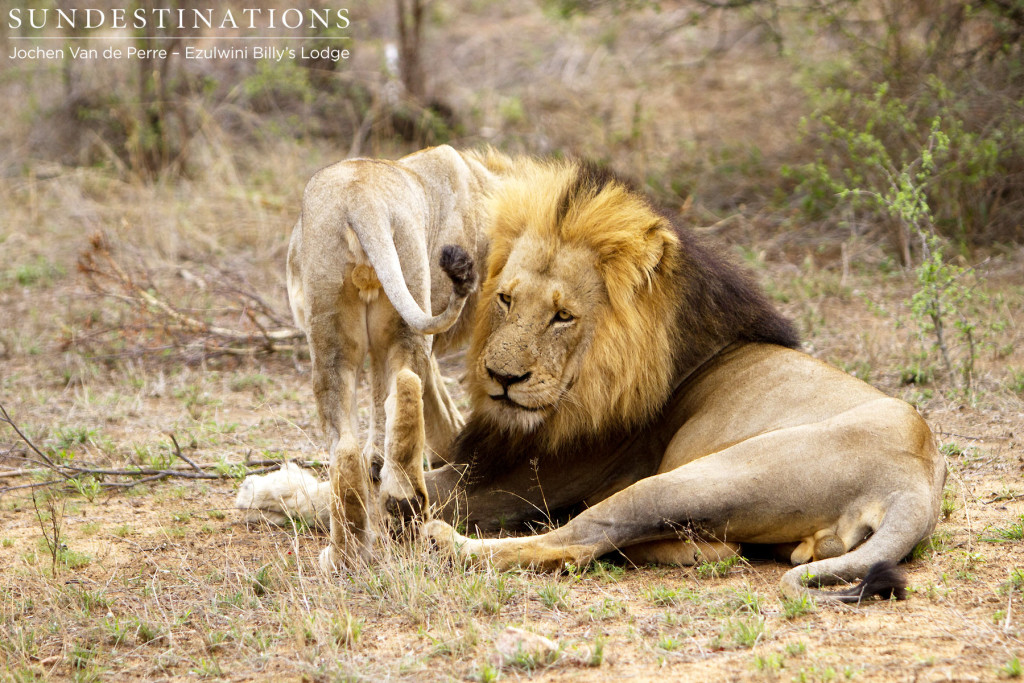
<point x="624" y="375"/>
<point x="369" y="225"/>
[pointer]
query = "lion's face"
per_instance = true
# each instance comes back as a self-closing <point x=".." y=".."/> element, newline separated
<point x="570" y="335"/>
<point x="541" y="317"/>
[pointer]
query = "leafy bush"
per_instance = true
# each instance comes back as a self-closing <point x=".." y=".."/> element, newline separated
<point x="875" y="108"/>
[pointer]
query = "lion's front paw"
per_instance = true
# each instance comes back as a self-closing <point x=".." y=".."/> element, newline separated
<point x="448" y="543"/>
<point x="257" y="500"/>
<point x="290" y="493"/>
<point x="443" y="538"/>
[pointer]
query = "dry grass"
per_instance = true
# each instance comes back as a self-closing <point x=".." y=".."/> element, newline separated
<point x="162" y="581"/>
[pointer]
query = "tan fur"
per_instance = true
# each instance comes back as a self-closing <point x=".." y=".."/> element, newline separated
<point x="369" y="226"/>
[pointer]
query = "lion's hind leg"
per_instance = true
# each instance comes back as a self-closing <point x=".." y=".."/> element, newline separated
<point x="679" y="551"/>
<point x="401" y="362"/>
<point x="403" y="491"/>
<point x="338" y="342"/>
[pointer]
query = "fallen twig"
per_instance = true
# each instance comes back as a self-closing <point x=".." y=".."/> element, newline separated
<point x="1003" y="497"/>
<point x="961" y="436"/>
<point x="177" y="452"/>
<point x="71" y="472"/>
<point x="7" y="474"/>
<point x="308" y="464"/>
<point x="32" y="486"/>
<point x="107" y="277"/>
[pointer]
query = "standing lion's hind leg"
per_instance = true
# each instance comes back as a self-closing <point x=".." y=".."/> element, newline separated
<point x="374" y="450"/>
<point x="403" y="491"/>
<point x="351" y="524"/>
<point x="337" y="343"/>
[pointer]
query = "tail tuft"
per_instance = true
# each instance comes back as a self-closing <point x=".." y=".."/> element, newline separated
<point x="458" y="265"/>
<point x="884" y="579"/>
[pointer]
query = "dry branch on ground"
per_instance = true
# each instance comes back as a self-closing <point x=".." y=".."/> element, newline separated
<point x="154" y="316"/>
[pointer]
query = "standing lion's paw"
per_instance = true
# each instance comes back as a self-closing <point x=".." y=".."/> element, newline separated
<point x="402" y="515"/>
<point x="328" y="563"/>
<point x="401" y="504"/>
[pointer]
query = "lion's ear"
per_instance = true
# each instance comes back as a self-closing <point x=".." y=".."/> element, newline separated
<point x="659" y="242"/>
<point x="635" y="257"/>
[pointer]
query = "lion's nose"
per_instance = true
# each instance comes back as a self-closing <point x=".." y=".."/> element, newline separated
<point x="507" y="380"/>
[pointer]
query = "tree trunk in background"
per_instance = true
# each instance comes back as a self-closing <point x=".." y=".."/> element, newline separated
<point x="410" y="30"/>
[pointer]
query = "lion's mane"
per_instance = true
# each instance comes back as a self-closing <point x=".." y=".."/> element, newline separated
<point x="653" y="332"/>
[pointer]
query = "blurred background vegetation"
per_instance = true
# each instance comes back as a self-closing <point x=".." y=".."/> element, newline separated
<point x="881" y="137"/>
<point x="767" y="107"/>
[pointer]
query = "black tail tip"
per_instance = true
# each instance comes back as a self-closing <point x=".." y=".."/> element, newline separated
<point x="883" y="579"/>
<point x="458" y="265"/>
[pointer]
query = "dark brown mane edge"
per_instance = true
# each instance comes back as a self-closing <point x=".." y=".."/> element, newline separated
<point x="713" y="285"/>
<point x="720" y="303"/>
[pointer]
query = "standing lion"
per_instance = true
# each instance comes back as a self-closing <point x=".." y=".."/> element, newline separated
<point x="367" y="226"/>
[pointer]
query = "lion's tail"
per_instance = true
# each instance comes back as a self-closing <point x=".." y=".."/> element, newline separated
<point x="906" y="522"/>
<point x="457" y="264"/>
<point x="454" y="261"/>
<point x="883" y="579"/>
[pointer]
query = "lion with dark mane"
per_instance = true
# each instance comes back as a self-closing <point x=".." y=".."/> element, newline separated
<point x="624" y="376"/>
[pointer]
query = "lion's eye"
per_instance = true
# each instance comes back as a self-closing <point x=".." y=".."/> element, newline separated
<point x="505" y="299"/>
<point x="563" y="316"/>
